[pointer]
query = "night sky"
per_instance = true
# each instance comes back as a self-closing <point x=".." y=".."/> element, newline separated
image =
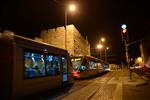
<point x="93" y="18"/>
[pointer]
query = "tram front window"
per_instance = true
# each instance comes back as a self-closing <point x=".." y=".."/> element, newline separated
<point x="76" y="63"/>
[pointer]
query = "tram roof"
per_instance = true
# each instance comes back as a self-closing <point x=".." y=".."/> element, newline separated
<point x="87" y="56"/>
<point x="14" y="37"/>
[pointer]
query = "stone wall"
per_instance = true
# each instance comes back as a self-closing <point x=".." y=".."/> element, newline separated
<point x="54" y="36"/>
<point x="76" y="43"/>
<point x="70" y="37"/>
<point x="81" y="45"/>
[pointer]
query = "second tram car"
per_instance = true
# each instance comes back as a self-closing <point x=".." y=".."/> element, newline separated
<point x="86" y="66"/>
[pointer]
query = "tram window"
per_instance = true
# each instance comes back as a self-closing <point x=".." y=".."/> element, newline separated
<point x="84" y="64"/>
<point x="53" y="65"/>
<point x="82" y="68"/>
<point x="105" y="66"/>
<point x="92" y="65"/>
<point x="34" y="65"/>
<point x="99" y="66"/>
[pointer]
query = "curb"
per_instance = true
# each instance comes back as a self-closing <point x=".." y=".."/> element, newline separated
<point x="134" y="80"/>
<point x="145" y="78"/>
<point x="141" y="84"/>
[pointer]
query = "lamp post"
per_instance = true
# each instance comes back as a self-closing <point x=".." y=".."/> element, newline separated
<point x="100" y="46"/>
<point x="107" y="48"/>
<point x="71" y="8"/>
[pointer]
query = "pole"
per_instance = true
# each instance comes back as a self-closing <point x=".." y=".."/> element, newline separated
<point x="127" y="59"/>
<point x="126" y="49"/>
<point x="100" y="54"/>
<point x="105" y="55"/>
<point x="100" y="50"/>
<point x="65" y="28"/>
<point x="125" y="39"/>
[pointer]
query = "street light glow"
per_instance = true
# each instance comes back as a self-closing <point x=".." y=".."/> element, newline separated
<point x="107" y="48"/>
<point x="102" y="39"/>
<point x="72" y="7"/>
<point x="99" y="46"/>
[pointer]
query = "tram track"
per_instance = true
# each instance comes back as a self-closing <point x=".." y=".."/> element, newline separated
<point x="86" y="93"/>
<point x="85" y="83"/>
<point x="78" y="84"/>
<point x="89" y="86"/>
<point x="101" y="88"/>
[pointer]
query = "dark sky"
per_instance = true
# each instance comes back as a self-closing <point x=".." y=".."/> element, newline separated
<point x="93" y="18"/>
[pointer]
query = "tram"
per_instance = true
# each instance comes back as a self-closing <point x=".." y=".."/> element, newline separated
<point x="29" y="67"/>
<point x="86" y="66"/>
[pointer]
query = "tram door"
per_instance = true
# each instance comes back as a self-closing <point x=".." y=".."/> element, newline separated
<point x="64" y="69"/>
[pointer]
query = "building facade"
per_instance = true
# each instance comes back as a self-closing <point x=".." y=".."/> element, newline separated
<point x="144" y="49"/>
<point x="69" y="38"/>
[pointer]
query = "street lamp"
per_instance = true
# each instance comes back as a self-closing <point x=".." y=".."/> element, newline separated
<point x="102" y="39"/>
<point x="71" y="8"/>
<point x="100" y="46"/>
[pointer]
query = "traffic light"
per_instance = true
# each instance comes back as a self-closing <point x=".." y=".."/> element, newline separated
<point x="124" y="34"/>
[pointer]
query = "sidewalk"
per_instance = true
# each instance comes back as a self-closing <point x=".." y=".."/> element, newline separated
<point x="124" y="77"/>
<point x="135" y="79"/>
